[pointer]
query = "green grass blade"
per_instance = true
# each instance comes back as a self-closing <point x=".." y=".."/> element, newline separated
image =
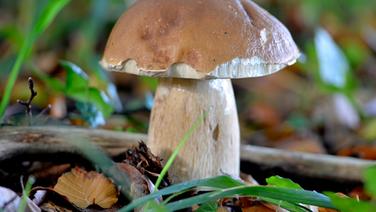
<point x="286" y="205"/>
<point x="295" y="196"/>
<point x="181" y="144"/>
<point x="25" y="49"/>
<point x="25" y="194"/>
<point x="347" y="204"/>
<point x="46" y="17"/>
<point x="219" y="182"/>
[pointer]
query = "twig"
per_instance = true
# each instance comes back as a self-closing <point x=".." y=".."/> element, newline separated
<point x="27" y="104"/>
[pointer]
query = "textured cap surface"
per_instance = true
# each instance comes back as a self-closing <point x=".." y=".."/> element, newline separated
<point x="198" y="39"/>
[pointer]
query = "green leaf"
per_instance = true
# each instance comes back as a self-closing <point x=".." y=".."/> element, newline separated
<point x="52" y="83"/>
<point x="296" y="196"/>
<point x="219" y="182"/>
<point x="282" y="182"/>
<point x="77" y="88"/>
<point x="153" y="206"/>
<point x="286" y="205"/>
<point x="100" y="99"/>
<point x="76" y="79"/>
<point x="90" y="114"/>
<point x="209" y="206"/>
<point x="370" y="182"/>
<point x="346" y="204"/>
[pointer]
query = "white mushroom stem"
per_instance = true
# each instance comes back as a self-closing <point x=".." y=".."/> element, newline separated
<point x="213" y="149"/>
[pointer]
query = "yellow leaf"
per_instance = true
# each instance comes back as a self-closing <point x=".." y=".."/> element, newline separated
<point x="87" y="188"/>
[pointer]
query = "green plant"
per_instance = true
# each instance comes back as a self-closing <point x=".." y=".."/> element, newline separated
<point x="25" y="194"/>
<point x="49" y="11"/>
<point x="224" y="186"/>
<point x="93" y="103"/>
<point x="334" y="74"/>
<point x="347" y="204"/>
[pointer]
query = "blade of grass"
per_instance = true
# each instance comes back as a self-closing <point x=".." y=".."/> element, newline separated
<point x="48" y="14"/>
<point x="25" y="194"/>
<point x="295" y="196"/>
<point x="181" y="144"/>
<point x="347" y="204"/>
<point x="219" y="182"/>
<point x="172" y="196"/>
<point x="286" y="205"/>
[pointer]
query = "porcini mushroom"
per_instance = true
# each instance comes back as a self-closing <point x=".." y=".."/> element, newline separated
<point x="196" y="47"/>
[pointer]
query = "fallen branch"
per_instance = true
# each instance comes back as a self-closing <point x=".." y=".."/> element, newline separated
<point x="33" y="140"/>
<point x="307" y="164"/>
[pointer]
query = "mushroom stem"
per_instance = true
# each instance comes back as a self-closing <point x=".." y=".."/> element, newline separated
<point x="213" y="149"/>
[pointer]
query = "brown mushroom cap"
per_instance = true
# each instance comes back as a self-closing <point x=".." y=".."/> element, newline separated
<point x="199" y="39"/>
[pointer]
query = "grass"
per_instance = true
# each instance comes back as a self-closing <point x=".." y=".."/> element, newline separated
<point x="49" y="12"/>
<point x="25" y="194"/>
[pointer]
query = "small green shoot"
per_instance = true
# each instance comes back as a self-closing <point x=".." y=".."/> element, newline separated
<point x="181" y="144"/>
<point x="25" y="194"/>
<point x="41" y="23"/>
<point x="93" y="104"/>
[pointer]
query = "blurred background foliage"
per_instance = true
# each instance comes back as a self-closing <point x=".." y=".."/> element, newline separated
<point x="326" y="103"/>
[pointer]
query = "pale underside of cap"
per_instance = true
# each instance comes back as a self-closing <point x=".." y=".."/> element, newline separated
<point x="199" y="39"/>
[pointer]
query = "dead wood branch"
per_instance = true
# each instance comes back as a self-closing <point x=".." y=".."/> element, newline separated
<point x="33" y="140"/>
<point x="306" y="164"/>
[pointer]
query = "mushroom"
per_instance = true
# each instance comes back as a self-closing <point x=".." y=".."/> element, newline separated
<point x="196" y="47"/>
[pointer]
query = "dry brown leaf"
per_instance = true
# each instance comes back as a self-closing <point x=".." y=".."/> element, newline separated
<point x="87" y="188"/>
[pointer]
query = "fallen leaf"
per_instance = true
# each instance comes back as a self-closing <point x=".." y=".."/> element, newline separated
<point x="84" y="188"/>
<point x="362" y="151"/>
